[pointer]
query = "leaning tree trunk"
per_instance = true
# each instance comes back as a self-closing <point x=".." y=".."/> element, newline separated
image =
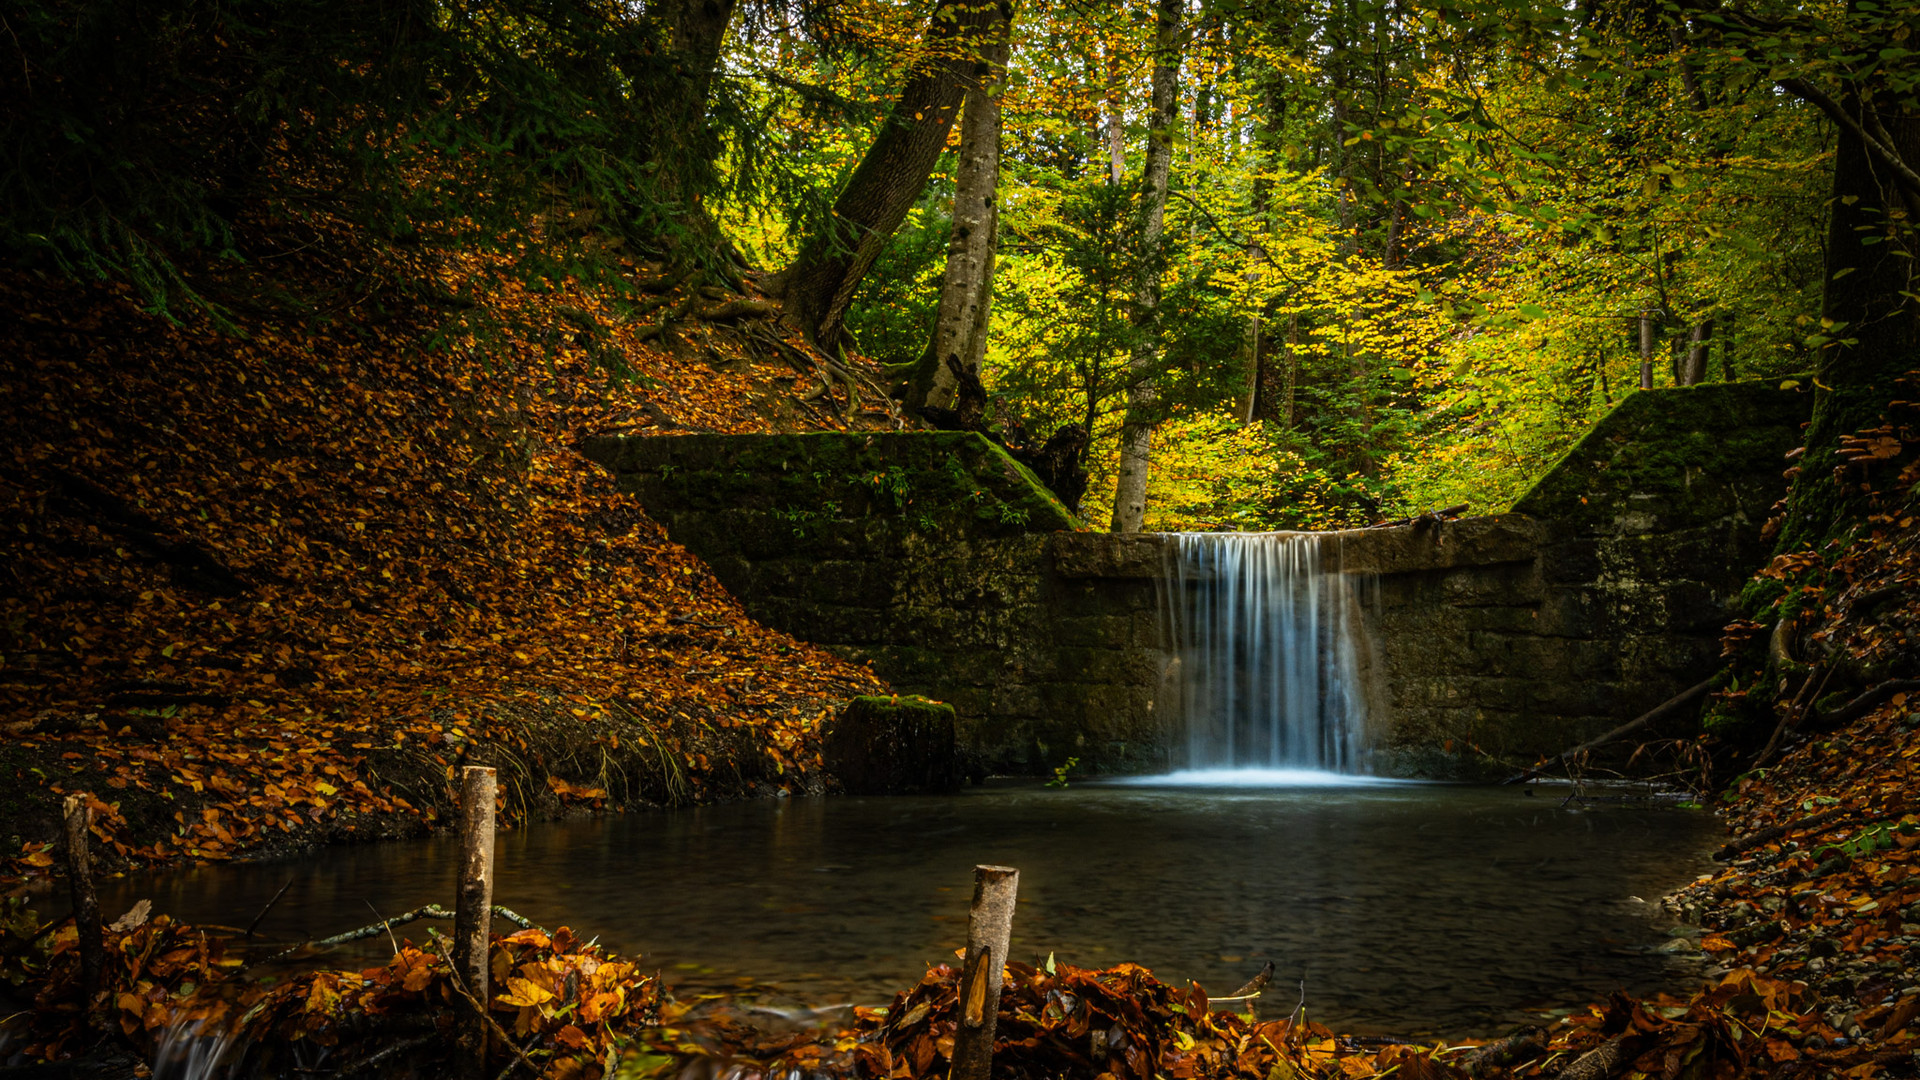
<point x="1136" y="434"/>
<point x="1870" y="279"/>
<point x="818" y="288"/>
<point x="959" y="338"/>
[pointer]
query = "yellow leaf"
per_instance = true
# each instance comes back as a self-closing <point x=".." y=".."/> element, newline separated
<point x="523" y="994"/>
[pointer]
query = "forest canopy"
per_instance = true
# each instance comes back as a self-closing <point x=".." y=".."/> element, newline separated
<point x="1326" y="261"/>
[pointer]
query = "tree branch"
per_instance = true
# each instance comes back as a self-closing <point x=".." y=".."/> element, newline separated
<point x="1886" y="154"/>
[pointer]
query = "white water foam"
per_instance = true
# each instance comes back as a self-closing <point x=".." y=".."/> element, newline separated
<point x="1258" y="778"/>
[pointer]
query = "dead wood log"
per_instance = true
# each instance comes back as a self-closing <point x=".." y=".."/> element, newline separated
<point x="1499" y="1054"/>
<point x="77" y="815"/>
<point x="1658" y="712"/>
<point x="989" y="930"/>
<point x="1599" y="1062"/>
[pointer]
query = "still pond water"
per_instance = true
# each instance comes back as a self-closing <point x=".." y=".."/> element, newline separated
<point x="1405" y="908"/>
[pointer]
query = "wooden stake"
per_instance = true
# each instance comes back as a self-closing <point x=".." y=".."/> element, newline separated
<point x="473" y="907"/>
<point x="989" y="929"/>
<point x="77" y="813"/>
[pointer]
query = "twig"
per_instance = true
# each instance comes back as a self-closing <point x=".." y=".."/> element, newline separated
<point x="376" y="914"/>
<point x="1796" y="711"/>
<point x="498" y="1031"/>
<point x="430" y="911"/>
<point x="269" y="907"/>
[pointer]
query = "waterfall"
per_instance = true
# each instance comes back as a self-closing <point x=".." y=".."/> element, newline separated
<point x="1262" y="626"/>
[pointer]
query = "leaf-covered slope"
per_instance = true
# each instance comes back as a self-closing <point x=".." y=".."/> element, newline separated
<point x="280" y="582"/>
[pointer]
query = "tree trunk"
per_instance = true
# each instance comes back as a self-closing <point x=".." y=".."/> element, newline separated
<point x="1116" y="118"/>
<point x="1869" y="278"/>
<point x="1695" y="370"/>
<point x="1248" y="400"/>
<point x="966" y="292"/>
<point x="818" y="288"/>
<point x="1646" y="350"/>
<point x="1136" y="434"/>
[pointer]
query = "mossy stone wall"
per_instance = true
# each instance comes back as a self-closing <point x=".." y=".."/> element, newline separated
<point x="946" y="565"/>
<point x="935" y="557"/>
<point x="1643" y="534"/>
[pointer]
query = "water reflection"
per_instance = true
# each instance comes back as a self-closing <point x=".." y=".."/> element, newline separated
<point x="1405" y="908"/>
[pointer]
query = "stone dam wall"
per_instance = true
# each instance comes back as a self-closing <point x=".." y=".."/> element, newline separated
<point x="948" y="567"/>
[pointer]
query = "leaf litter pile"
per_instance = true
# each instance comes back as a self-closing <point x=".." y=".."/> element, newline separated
<point x="272" y="586"/>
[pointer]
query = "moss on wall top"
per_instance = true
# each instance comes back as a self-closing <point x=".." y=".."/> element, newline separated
<point x="949" y="482"/>
<point x="1678" y="453"/>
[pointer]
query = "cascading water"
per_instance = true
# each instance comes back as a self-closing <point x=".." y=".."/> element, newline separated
<point x="1263" y="629"/>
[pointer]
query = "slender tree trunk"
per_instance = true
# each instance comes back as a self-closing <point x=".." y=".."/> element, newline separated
<point x="1646" y="350"/>
<point x="818" y="288"/>
<point x="1136" y="434"/>
<point x="1116" y="120"/>
<point x="1250" y="364"/>
<point x="1695" y="371"/>
<point x="966" y="291"/>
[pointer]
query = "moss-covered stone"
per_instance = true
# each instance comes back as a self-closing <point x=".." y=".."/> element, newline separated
<point x="808" y="487"/>
<point x="1665" y="458"/>
<point x="894" y="746"/>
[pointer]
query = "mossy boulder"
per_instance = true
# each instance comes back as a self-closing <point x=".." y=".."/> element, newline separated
<point x="894" y="746"/>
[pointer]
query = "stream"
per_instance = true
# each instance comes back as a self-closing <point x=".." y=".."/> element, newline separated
<point x="1410" y="909"/>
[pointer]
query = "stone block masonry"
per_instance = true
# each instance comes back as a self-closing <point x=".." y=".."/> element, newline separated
<point x="940" y="560"/>
<point x="946" y="565"/>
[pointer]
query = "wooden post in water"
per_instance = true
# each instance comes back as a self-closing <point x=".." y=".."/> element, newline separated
<point x="989" y="929"/>
<point x="77" y="814"/>
<point x="473" y="908"/>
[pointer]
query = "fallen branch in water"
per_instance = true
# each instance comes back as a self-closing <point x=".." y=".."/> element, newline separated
<point x="360" y="933"/>
<point x="1660" y="711"/>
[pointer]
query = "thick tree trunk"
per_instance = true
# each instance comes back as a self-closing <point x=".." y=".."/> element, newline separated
<point x="959" y="338"/>
<point x="1136" y="434"/>
<point x="1870" y="277"/>
<point x="695" y="31"/>
<point x="818" y="288"/>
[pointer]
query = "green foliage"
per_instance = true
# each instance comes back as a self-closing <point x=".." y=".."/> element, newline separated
<point x="141" y="136"/>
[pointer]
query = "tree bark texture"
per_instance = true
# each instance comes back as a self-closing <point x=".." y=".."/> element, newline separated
<point x="1136" y="433"/>
<point x="818" y="288"/>
<point x="966" y="291"/>
<point x="1646" y="350"/>
<point x="1694" y="372"/>
<point x="989" y="932"/>
<point x="1869" y="270"/>
<point x="77" y="817"/>
<point x="473" y="907"/>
